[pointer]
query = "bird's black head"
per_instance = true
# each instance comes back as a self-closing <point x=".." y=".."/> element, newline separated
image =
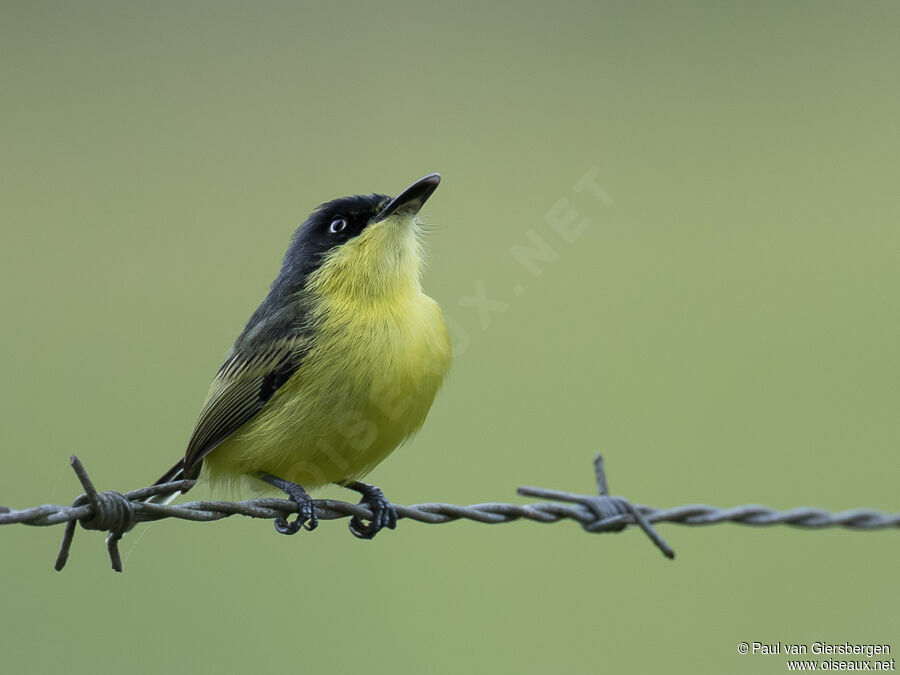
<point x="330" y="225"/>
<point x="386" y="249"/>
<point x="340" y="220"/>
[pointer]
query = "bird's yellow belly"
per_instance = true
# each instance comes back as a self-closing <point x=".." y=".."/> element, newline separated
<point x="364" y="388"/>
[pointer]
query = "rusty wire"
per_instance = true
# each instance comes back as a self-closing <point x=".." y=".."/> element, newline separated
<point x="117" y="513"/>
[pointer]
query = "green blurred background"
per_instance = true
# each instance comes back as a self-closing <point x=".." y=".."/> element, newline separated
<point x="726" y="330"/>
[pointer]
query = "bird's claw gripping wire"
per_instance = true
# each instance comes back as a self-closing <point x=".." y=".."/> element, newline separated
<point x="306" y="510"/>
<point x="611" y="514"/>
<point x="383" y="512"/>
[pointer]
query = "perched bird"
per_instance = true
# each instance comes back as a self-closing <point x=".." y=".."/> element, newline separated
<point x="337" y="367"/>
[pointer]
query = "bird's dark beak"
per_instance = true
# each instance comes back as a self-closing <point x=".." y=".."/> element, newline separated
<point x="411" y="199"/>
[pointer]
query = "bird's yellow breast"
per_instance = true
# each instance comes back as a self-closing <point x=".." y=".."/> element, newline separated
<point x="364" y="387"/>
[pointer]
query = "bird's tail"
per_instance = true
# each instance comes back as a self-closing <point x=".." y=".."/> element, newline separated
<point x="173" y="474"/>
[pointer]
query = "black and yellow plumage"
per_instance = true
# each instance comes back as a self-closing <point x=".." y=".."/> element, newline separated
<point x="338" y="365"/>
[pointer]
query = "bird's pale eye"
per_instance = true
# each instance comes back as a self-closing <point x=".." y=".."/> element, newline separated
<point x="337" y="225"/>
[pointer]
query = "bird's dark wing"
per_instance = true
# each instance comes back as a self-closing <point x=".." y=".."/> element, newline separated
<point x="245" y="382"/>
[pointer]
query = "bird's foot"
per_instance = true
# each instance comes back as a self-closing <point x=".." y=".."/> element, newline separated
<point x="383" y="512"/>
<point x="306" y="510"/>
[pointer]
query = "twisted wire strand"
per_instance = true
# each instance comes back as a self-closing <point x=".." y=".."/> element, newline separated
<point x="117" y="513"/>
<point x="488" y="512"/>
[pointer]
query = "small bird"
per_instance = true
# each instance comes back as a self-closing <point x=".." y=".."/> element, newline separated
<point x="337" y="367"/>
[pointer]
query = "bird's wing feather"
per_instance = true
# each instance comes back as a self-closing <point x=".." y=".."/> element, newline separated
<point x="245" y="382"/>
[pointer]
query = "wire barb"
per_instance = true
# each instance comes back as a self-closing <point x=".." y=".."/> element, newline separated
<point x="117" y="513"/>
<point x="612" y="514"/>
<point x="110" y="511"/>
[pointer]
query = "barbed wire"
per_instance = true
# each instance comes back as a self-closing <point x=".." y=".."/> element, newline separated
<point x="117" y="513"/>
